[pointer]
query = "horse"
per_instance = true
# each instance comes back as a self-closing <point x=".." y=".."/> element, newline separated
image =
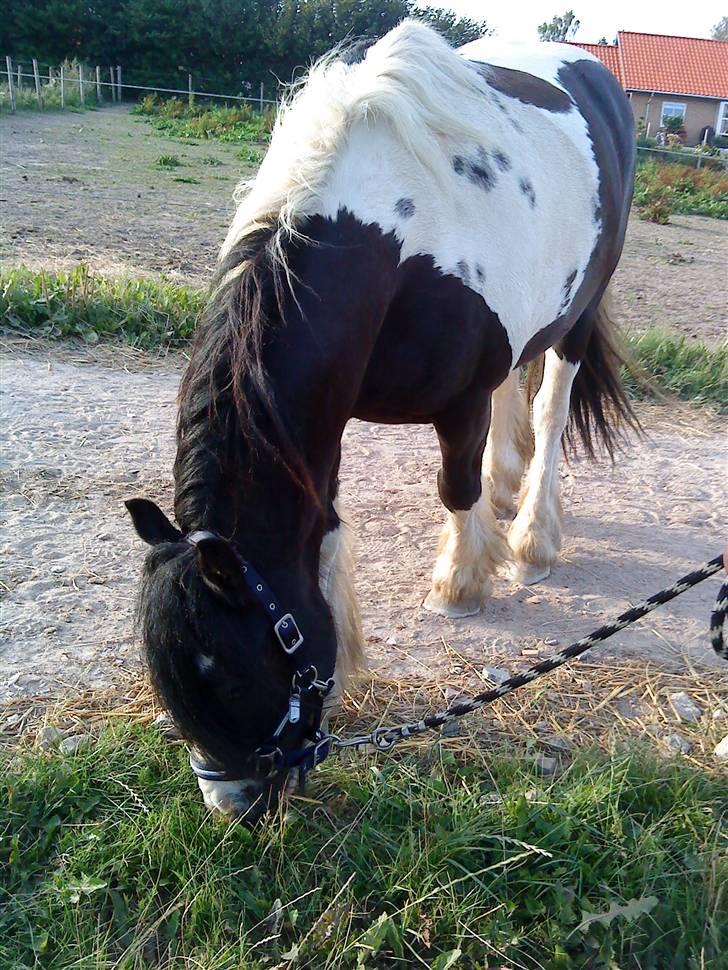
<point x="425" y="222"/>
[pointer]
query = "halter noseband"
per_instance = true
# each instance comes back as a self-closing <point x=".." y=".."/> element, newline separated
<point x="268" y="759"/>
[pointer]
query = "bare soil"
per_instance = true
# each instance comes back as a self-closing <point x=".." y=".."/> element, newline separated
<point x="87" y="429"/>
<point x="87" y="186"/>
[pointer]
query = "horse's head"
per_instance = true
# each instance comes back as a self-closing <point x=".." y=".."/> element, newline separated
<point x="242" y="673"/>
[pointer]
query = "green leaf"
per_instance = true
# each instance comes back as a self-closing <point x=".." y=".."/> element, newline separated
<point x="446" y="960"/>
<point x="86" y="886"/>
<point x="630" y="911"/>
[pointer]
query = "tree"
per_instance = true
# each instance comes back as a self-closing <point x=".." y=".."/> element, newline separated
<point x="560" y="28"/>
<point x="720" y="31"/>
<point x="603" y="42"/>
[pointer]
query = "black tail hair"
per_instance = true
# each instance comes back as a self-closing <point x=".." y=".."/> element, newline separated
<point x="600" y="412"/>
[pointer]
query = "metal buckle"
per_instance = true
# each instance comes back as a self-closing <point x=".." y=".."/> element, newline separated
<point x="324" y="742"/>
<point x="272" y="757"/>
<point x="283" y="624"/>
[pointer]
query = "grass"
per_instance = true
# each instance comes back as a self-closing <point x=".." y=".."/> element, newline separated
<point x="688" y="369"/>
<point x="174" y="118"/>
<point x="147" y="314"/>
<point x="152" y="314"/>
<point x="661" y="189"/>
<point x="452" y="854"/>
<point x="169" y="161"/>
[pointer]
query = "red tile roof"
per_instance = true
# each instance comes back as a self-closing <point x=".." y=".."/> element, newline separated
<point x="668" y="65"/>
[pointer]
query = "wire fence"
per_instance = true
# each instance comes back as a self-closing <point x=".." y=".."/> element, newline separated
<point x="74" y="85"/>
<point x="695" y="159"/>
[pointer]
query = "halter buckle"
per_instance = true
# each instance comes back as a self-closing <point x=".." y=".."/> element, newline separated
<point x="289" y="636"/>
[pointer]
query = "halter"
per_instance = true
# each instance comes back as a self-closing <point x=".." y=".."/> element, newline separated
<point x="268" y="759"/>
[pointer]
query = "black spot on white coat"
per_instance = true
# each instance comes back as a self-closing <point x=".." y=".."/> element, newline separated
<point x="405" y="208"/>
<point x="526" y="187"/>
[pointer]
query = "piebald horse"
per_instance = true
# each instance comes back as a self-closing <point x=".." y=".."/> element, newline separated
<point x="425" y="222"/>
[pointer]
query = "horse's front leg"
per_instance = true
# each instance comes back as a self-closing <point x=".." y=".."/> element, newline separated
<point x="471" y="545"/>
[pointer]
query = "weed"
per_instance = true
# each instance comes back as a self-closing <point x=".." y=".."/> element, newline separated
<point x="144" y="313"/>
<point x="169" y="161"/>
<point x="664" y="188"/>
<point x="212" y="161"/>
<point x="176" y="119"/>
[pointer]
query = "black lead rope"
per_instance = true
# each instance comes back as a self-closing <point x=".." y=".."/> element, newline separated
<point x="384" y="738"/>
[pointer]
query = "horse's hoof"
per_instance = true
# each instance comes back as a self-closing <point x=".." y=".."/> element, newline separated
<point x="437" y="604"/>
<point x="528" y="574"/>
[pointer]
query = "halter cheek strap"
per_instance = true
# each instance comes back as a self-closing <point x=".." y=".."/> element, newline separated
<point x="269" y="759"/>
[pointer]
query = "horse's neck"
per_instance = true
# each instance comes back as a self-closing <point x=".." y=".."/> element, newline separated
<point x="315" y="362"/>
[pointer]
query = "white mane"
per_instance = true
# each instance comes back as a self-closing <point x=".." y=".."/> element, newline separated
<point x="411" y="79"/>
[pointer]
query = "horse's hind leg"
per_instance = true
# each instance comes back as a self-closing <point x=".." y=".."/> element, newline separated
<point x="471" y="545"/>
<point x="535" y="536"/>
<point x="509" y="446"/>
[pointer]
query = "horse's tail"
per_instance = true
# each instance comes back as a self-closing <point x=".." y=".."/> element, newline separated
<point x="600" y="411"/>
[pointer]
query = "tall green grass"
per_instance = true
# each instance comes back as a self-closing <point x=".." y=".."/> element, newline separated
<point x="688" y="369"/>
<point x="240" y="123"/>
<point x="144" y="313"/>
<point x="109" y="859"/>
<point x="150" y="314"/>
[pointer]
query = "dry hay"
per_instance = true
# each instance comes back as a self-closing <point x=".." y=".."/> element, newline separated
<point x="586" y="704"/>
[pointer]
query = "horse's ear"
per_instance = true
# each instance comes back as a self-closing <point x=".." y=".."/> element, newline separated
<point x="221" y="569"/>
<point x="150" y="522"/>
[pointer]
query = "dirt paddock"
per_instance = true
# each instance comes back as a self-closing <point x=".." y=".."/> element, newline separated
<point x="85" y="430"/>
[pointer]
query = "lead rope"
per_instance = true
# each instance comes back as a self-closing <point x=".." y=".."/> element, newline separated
<point x="384" y="738"/>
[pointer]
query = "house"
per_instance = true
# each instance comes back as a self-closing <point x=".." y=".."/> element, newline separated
<point x="669" y="77"/>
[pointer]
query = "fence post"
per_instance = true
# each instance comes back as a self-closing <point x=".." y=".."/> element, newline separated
<point x="119" y="95"/>
<point x="63" y="86"/>
<point x="80" y="85"/>
<point x="261" y="97"/>
<point x="113" y="85"/>
<point x="98" y="84"/>
<point x="190" y="95"/>
<point x="11" y="88"/>
<point x="20" y="77"/>
<point x="36" y="75"/>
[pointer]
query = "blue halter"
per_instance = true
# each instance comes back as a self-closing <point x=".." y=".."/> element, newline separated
<point x="268" y="759"/>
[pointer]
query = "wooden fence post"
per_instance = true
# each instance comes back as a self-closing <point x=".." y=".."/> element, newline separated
<point x="119" y="95"/>
<point x="190" y="95"/>
<point x="63" y="86"/>
<point x="20" y="77"/>
<point x="261" y="97"/>
<point x="11" y="88"/>
<point x="113" y="85"/>
<point x="80" y="85"/>
<point x="36" y="75"/>
<point x="98" y="85"/>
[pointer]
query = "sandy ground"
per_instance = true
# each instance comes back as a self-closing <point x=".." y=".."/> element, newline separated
<point x="88" y="187"/>
<point x="83" y="435"/>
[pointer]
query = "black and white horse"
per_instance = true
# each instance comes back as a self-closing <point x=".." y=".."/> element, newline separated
<point x="424" y="222"/>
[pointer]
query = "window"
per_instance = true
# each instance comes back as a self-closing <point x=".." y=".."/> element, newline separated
<point x="722" y="127"/>
<point x="672" y="110"/>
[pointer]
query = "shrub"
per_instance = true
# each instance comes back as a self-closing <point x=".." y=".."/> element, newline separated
<point x="664" y="188"/>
